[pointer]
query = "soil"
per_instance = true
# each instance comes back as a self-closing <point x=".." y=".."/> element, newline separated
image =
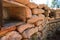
<point x="56" y="36"/>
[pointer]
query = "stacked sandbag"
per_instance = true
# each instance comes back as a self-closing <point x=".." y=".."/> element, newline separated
<point x="20" y="13"/>
<point x="49" y="13"/>
<point x="22" y="1"/>
<point x="9" y="27"/>
<point x="31" y="5"/>
<point x="3" y="31"/>
<point x="12" y="36"/>
<point x="37" y="11"/>
<point x="24" y="27"/>
<point x="28" y="33"/>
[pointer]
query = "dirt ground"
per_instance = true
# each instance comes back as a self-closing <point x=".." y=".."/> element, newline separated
<point x="56" y="35"/>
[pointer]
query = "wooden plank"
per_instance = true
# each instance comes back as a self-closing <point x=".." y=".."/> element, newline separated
<point x="1" y="14"/>
<point x="7" y="3"/>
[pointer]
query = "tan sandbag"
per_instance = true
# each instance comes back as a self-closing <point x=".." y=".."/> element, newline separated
<point x="28" y="12"/>
<point x="41" y="17"/>
<point x="33" y="19"/>
<point x="41" y="6"/>
<point x="41" y="20"/>
<point x="6" y="30"/>
<point x="28" y="33"/>
<point x="37" y="11"/>
<point x="20" y="13"/>
<point x="23" y="1"/>
<point x="13" y="35"/>
<point x="32" y="5"/>
<point x="39" y="23"/>
<point x="24" y="27"/>
<point x="40" y="28"/>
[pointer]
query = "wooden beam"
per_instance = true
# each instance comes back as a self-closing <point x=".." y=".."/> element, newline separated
<point x="1" y="14"/>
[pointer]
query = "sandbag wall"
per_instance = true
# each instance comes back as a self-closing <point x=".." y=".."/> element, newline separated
<point x="33" y="17"/>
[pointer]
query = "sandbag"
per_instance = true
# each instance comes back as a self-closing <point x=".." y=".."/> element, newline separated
<point x="23" y="1"/>
<point x="31" y="5"/>
<point x="20" y="13"/>
<point x="37" y="11"/>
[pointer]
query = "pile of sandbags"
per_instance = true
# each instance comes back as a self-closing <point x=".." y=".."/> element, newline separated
<point x="34" y="17"/>
<point x="29" y="11"/>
